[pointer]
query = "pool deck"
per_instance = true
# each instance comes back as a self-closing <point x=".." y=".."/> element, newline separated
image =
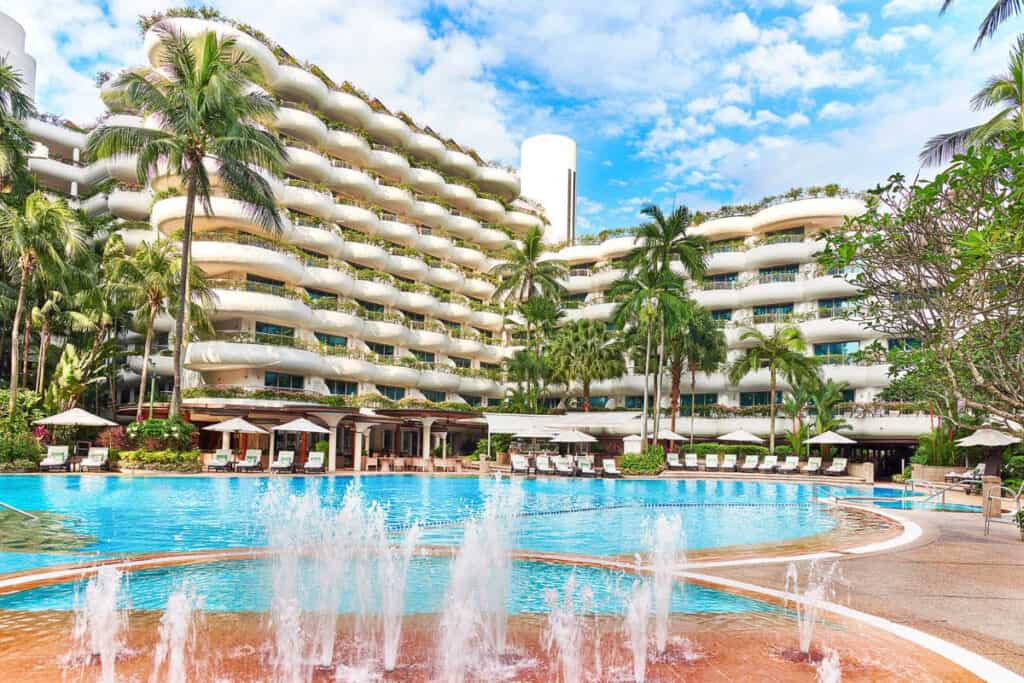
<point x="952" y="582"/>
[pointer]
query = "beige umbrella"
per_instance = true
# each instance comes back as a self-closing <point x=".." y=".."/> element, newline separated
<point x="828" y="438"/>
<point x="236" y="424"/>
<point x="740" y="436"/>
<point x="301" y="425"/>
<point x="76" y="417"/>
<point x="669" y="435"/>
<point x="991" y="439"/>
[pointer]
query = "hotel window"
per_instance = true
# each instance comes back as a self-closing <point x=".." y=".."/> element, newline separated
<point x="772" y="313"/>
<point x="783" y="236"/>
<point x="316" y="294"/>
<point x="550" y="403"/>
<point x="472" y="400"/>
<point x="339" y="387"/>
<point x="722" y="281"/>
<point x="722" y="314"/>
<point x="493" y="402"/>
<point x="394" y="393"/>
<point x="281" y="380"/>
<point x="699" y="400"/>
<point x="785" y="273"/>
<point x="451" y="324"/>
<point x="849" y="395"/>
<point x="460" y="362"/>
<point x="414" y="317"/>
<point x="334" y="340"/>
<point x="595" y="402"/>
<point x="635" y="402"/>
<point x="490" y="366"/>
<point x="904" y="344"/>
<point x="748" y="399"/>
<point x="256" y="279"/>
<point x="836" y="353"/>
<point x="434" y="396"/>
<point x="833" y="308"/>
<point x="385" y="350"/>
<point x="370" y="306"/>
<point x="423" y="356"/>
<point x="269" y="333"/>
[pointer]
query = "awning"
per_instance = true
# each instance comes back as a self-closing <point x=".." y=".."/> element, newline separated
<point x="572" y="436"/>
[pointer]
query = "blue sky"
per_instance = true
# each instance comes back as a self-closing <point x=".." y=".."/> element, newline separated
<point x="702" y="102"/>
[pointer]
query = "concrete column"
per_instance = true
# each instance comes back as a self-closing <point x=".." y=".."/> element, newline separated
<point x="332" y="449"/>
<point x="225" y="440"/>
<point x="273" y="441"/>
<point x="362" y="433"/>
<point x="425" y="440"/>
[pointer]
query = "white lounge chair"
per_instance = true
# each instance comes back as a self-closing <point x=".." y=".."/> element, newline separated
<point x="314" y="463"/>
<point x="56" y="459"/>
<point x="253" y="461"/>
<point x="813" y="466"/>
<point x="769" y="464"/>
<point x="837" y="468"/>
<point x="586" y="466"/>
<point x="749" y="464"/>
<point x="96" y="460"/>
<point x="610" y="469"/>
<point x="976" y="473"/>
<point x="790" y="466"/>
<point x="285" y="462"/>
<point x="690" y="461"/>
<point x="520" y="465"/>
<point x="564" y="466"/>
<point x="711" y="462"/>
<point x="728" y="462"/>
<point x="672" y="461"/>
<point x="542" y="465"/>
<point x="220" y="461"/>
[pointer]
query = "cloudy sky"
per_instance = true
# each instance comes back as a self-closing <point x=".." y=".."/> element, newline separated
<point x="701" y="102"/>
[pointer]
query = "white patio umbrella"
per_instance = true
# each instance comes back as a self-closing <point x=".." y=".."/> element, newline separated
<point x="991" y="439"/>
<point x="533" y="436"/>
<point x="301" y="425"/>
<point x="741" y="436"/>
<point x="236" y="424"/>
<point x="828" y="438"/>
<point x="669" y="435"/>
<point x="76" y="417"/>
<point x="572" y="436"/>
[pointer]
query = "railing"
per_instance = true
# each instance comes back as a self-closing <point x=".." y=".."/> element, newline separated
<point x="580" y="272"/>
<point x="782" y="239"/>
<point x="834" y="312"/>
<point x="840" y="359"/>
<point x="710" y="285"/>
<point x="727" y="247"/>
<point x="768" y="278"/>
<point x="762" y="318"/>
<point x="258" y="287"/>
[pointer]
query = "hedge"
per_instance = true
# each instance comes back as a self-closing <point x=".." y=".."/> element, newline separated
<point x="651" y="461"/>
<point x="702" y="449"/>
<point x="165" y="461"/>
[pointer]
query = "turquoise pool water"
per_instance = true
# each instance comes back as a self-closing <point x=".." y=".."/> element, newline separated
<point x="247" y="586"/>
<point x="118" y="516"/>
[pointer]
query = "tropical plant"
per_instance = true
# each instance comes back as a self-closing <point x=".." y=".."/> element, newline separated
<point x="40" y="236"/>
<point x="540" y="320"/>
<point x="53" y="314"/>
<point x="524" y="274"/>
<point x="825" y="397"/>
<point x="15" y="106"/>
<point x="585" y="351"/>
<point x="1005" y="91"/>
<point x="211" y="121"/>
<point x="696" y="345"/>
<point x="72" y="376"/>
<point x="664" y="240"/>
<point x="782" y="352"/>
<point x="645" y="300"/>
<point x="529" y="372"/>
<point x="1000" y="12"/>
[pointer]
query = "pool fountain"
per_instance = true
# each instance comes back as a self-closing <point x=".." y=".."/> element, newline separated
<point x="176" y="654"/>
<point x="820" y="586"/>
<point x="667" y="547"/>
<point x="100" y="621"/>
<point x="635" y="622"/>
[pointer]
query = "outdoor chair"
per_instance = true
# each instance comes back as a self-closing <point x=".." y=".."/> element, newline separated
<point x="837" y="468"/>
<point x="749" y="464"/>
<point x="565" y="467"/>
<point x="769" y="464"/>
<point x="711" y="462"/>
<point x="672" y="461"/>
<point x="813" y="466"/>
<point x="314" y="463"/>
<point x="253" y="461"/>
<point x="285" y="462"/>
<point x="542" y="465"/>
<point x="586" y="466"/>
<point x="520" y="465"/>
<point x="220" y="461"/>
<point x="729" y="462"/>
<point x="690" y="461"/>
<point x="96" y="460"/>
<point x="57" y="458"/>
<point x="610" y="469"/>
<point x="790" y="466"/>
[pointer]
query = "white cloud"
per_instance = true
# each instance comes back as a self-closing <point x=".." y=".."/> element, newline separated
<point x="785" y="67"/>
<point x="836" y="110"/>
<point x="669" y="132"/>
<point x="739" y="29"/>
<point x="892" y="41"/>
<point x="895" y="8"/>
<point x="735" y="93"/>
<point x="797" y="120"/>
<point x="702" y="105"/>
<point x="825" y="21"/>
<point x="587" y="206"/>
<point x="734" y="116"/>
<point x="606" y="163"/>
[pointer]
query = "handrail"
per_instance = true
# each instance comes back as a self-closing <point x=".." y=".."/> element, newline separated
<point x="934" y="487"/>
<point x="19" y="511"/>
<point x="1014" y="496"/>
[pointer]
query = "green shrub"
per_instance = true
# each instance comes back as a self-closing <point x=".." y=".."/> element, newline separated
<point x="20" y="465"/>
<point x="783" y="450"/>
<point x="157" y="434"/>
<point x="322" y="445"/>
<point x="18" y="446"/>
<point x="162" y="460"/>
<point x="650" y="461"/>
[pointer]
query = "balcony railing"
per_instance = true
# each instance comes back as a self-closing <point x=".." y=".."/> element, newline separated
<point x="769" y="278"/>
<point x="719" y="284"/>
<point x="840" y="359"/>
<point x="258" y="287"/>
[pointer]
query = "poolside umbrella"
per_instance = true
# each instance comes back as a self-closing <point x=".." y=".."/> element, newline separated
<point x="301" y="425"/>
<point x="76" y="417"/>
<point x="828" y="438"/>
<point x="572" y="436"/>
<point x="533" y="436"/>
<point x="992" y="439"/>
<point x="669" y="435"/>
<point x="235" y="424"/>
<point x="740" y="436"/>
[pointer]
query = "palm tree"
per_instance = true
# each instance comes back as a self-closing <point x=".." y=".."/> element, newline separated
<point x="40" y="236"/>
<point x="200" y="93"/>
<point x="664" y="240"/>
<point x="644" y="300"/>
<point x="697" y="345"/>
<point x="523" y="274"/>
<point x="585" y="351"/>
<point x="540" y="318"/>
<point x="15" y="105"/>
<point x="1005" y="91"/>
<point x="825" y="396"/>
<point x="782" y="352"/>
<point x="529" y="372"/>
<point x="1000" y="12"/>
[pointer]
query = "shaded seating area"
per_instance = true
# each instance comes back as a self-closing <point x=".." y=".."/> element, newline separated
<point x="57" y="458"/>
<point x="314" y="464"/>
<point x="284" y="462"/>
<point x="96" y="460"/>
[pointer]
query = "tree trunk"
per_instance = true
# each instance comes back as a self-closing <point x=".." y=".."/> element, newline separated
<point x="693" y="396"/>
<point x="657" y="379"/>
<point x="677" y="378"/>
<point x="771" y="411"/>
<point x="24" y="350"/>
<point x="179" y="321"/>
<point x="586" y="397"/>
<point x="44" y="346"/>
<point x="647" y="373"/>
<point x="19" y="310"/>
<point x="145" y="361"/>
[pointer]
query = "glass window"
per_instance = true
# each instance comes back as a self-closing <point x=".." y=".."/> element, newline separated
<point x="635" y="402"/>
<point x="424" y="356"/>
<point x="263" y="280"/>
<point x="394" y="393"/>
<point x="596" y="401"/>
<point x="904" y="344"/>
<point x="315" y="294"/>
<point x="758" y="398"/>
<point x="786" y="273"/>
<point x="370" y="306"/>
<point x="331" y="339"/>
<point x="270" y="333"/>
<point x="849" y="395"/>
<point x="840" y="348"/>
<point x="472" y="400"/>
<point x="280" y="380"/>
<point x="340" y="387"/>
<point x="550" y="403"/>
<point x="460" y="362"/>
<point x="490" y="366"/>
<point x="415" y="317"/>
<point x="385" y="350"/>
<point x="451" y="324"/>
<point x="724" y="277"/>
<point x="435" y="396"/>
<point x="722" y="314"/>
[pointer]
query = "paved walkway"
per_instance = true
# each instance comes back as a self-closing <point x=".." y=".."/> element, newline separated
<point x="953" y="582"/>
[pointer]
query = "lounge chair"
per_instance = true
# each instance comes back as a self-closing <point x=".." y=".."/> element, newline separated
<point x="976" y="473"/>
<point x="790" y="466"/>
<point x="711" y="462"/>
<point x="96" y="460"/>
<point x="565" y="467"/>
<point x="220" y="461"/>
<point x="672" y="461"/>
<point x="314" y="463"/>
<point x="542" y="465"/>
<point x="56" y="459"/>
<point x="728" y="462"/>
<point x="690" y="461"/>
<point x="769" y="464"/>
<point x="253" y="461"/>
<point x="520" y="465"/>
<point x="813" y="466"/>
<point x="586" y="466"/>
<point x="285" y="462"/>
<point x="371" y="463"/>
<point x="749" y="464"/>
<point x="610" y="469"/>
<point x="837" y="468"/>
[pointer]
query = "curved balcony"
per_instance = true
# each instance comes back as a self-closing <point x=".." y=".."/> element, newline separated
<point x="425" y="180"/>
<point x="451" y="310"/>
<point x="273" y="308"/>
<point x="306" y="164"/>
<point x="445" y="279"/>
<point x="408" y="267"/>
<point x="308" y="200"/>
<point x="329" y="279"/>
<point x="766" y="255"/>
<point x="204" y="356"/>
<point x="352" y="369"/>
<point x="828" y="287"/>
<point x="354" y="217"/>
<point x="161" y="365"/>
<point x="130" y="204"/>
<point x="486" y="320"/>
<point x="522" y="222"/>
<point x="377" y="292"/>
<point x="337" y="322"/>
<point x="430" y="213"/>
<point x="394" y="198"/>
<point x="820" y="210"/>
<point x="489" y="238"/>
<point x="488" y="209"/>
<point x="217" y="257"/>
<point x="834" y="329"/>
<point x="350" y="181"/>
<point x="479" y="385"/>
<point x="461" y="226"/>
<point x="398" y="375"/>
<point x="465" y="347"/>
<point x="385" y="332"/>
<point x="419" y="302"/>
<point x="470" y="258"/>
<point x="458" y="194"/>
<point x="428" y="340"/>
<point x="134" y="238"/>
<point x="433" y="245"/>
<point x="168" y="215"/>
<point x="727" y="262"/>
<point x="388" y="128"/>
<point x="347" y="146"/>
<point x="477" y="288"/>
<point x="295" y="83"/>
<point x="498" y="180"/>
<point x="402" y="233"/>
<point x="426" y="146"/>
<point x="348" y="108"/>
<point x="458" y="162"/>
<point x="435" y="380"/>
<point x="717" y="298"/>
<point x="771" y="293"/>
<point x="299" y="124"/>
<point x="388" y="163"/>
<point x="368" y="255"/>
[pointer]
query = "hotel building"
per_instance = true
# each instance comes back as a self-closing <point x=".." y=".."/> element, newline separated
<point x="380" y="283"/>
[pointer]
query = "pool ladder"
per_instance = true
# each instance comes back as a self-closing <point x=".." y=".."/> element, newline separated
<point x="19" y="511"/>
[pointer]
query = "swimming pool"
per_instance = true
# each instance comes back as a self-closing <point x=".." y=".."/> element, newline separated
<point x="109" y="516"/>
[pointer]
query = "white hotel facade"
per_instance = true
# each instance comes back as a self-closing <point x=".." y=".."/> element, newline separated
<point x="380" y="281"/>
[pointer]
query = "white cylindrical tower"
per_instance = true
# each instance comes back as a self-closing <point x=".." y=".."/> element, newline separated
<point x="548" y="175"/>
<point x="12" y="49"/>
